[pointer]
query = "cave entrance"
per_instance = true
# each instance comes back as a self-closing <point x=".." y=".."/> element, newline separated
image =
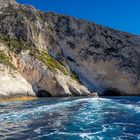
<point x="112" y="92"/>
<point x="43" y="93"/>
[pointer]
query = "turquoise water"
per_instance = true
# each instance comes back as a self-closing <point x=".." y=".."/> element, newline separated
<point x="115" y="118"/>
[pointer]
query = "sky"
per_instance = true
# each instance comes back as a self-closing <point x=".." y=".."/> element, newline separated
<point x="123" y="15"/>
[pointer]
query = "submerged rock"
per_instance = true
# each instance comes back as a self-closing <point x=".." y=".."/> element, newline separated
<point x="57" y="55"/>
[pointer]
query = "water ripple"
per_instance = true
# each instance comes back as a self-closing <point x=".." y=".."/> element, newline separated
<point x="71" y="119"/>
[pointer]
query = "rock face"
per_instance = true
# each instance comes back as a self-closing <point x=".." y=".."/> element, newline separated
<point x="104" y="59"/>
<point x="6" y="3"/>
<point x="26" y="67"/>
<point x="13" y="84"/>
<point x="52" y="53"/>
<point x="35" y="74"/>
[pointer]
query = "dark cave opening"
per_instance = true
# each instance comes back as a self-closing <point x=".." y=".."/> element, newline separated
<point x="112" y="92"/>
<point x="43" y="93"/>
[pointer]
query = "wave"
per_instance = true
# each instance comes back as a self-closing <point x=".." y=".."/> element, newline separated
<point x="116" y="103"/>
<point x="14" y="115"/>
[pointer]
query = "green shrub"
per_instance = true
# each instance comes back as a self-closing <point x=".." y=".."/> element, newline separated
<point x="17" y="46"/>
<point x="5" y="60"/>
<point x="51" y="63"/>
<point x="13" y="44"/>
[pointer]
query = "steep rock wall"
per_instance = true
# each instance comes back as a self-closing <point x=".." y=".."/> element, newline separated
<point x="100" y="57"/>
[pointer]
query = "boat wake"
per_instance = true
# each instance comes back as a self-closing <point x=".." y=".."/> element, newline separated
<point x="71" y="118"/>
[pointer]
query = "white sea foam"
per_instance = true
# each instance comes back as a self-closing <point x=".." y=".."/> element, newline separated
<point x="134" y="107"/>
<point x="38" y="130"/>
<point x="25" y="112"/>
<point x="89" y="114"/>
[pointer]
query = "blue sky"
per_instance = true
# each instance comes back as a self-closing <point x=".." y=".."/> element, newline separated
<point x="119" y="14"/>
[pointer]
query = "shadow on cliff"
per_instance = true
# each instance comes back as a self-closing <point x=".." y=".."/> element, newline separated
<point x="112" y="92"/>
<point x="43" y="93"/>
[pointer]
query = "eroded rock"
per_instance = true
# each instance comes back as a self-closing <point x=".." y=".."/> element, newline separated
<point x="100" y="58"/>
